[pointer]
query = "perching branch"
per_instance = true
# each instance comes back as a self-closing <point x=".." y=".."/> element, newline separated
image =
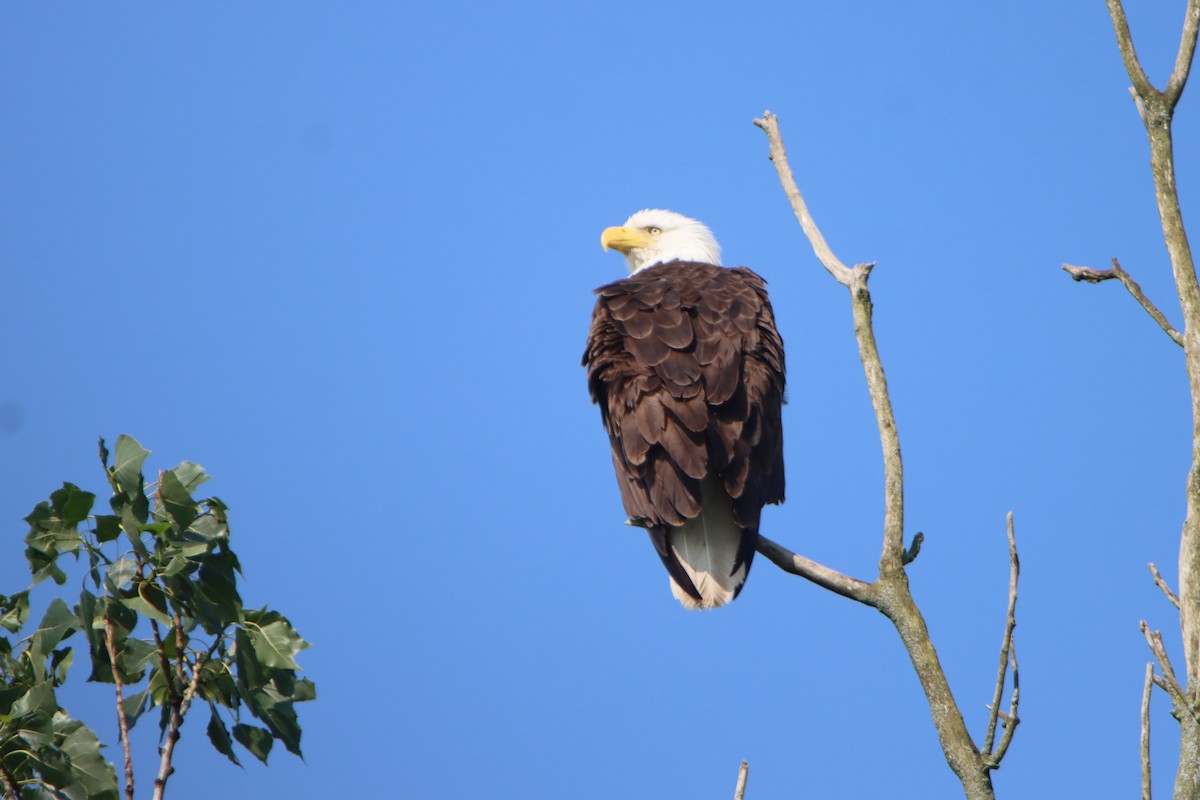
<point x="1008" y="653"/>
<point x="739" y="791"/>
<point x="1090" y="275"/>
<point x="821" y="575"/>
<point x="122" y="719"/>
<point x="1146" y="687"/>
<point x="889" y="593"/>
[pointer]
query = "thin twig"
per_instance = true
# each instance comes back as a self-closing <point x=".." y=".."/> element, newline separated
<point x="1146" y="730"/>
<point x="1090" y="275"/>
<point x="177" y="714"/>
<point x="914" y="549"/>
<point x="165" y="664"/>
<point x="1158" y="580"/>
<point x="739" y="791"/>
<point x="1169" y="681"/>
<point x="180" y="647"/>
<point x="770" y="125"/>
<point x="819" y="574"/>
<point x="122" y="720"/>
<point x="1007" y="653"/>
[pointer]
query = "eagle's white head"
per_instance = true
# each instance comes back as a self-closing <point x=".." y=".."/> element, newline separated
<point x="656" y="236"/>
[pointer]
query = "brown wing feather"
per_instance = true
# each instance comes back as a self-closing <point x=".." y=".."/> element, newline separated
<point x="687" y="367"/>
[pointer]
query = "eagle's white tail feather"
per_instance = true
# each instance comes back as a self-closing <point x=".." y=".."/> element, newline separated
<point x="707" y="547"/>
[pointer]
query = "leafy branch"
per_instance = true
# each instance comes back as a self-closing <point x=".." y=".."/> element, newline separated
<point x="164" y="623"/>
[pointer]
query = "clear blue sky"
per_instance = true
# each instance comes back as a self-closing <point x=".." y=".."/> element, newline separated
<point x="342" y="255"/>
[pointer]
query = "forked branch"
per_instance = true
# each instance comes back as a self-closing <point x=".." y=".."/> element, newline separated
<point x="889" y="593"/>
<point x="1089" y="275"/>
<point x="178" y="712"/>
<point x="1008" y="654"/>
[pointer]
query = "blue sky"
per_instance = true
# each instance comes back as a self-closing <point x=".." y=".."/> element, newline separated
<point x="342" y="255"/>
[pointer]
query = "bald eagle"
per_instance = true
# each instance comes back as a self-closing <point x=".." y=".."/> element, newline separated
<point x="686" y="365"/>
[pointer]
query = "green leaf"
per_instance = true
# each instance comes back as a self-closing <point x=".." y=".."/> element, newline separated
<point x="95" y="775"/>
<point x="213" y="599"/>
<point x="250" y="674"/>
<point x="42" y="566"/>
<point x="127" y="469"/>
<point x="108" y="527"/>
<point x="131" y="523"/>
<point x="56" y="625"/>
<point x="278" y="714"/>
<point x="60" y="663"/>
<point x="254" y="739"/>
<point x="218" y="734"/>
<point x="276" y="643"/>
<point x="191" y="475"/>
<point x="14" y="611"/>
<point x="304" y="691"/>
<point x="151" y="602"/>
<point x="71" y="504"/>
<point x="119" y="573"/>
<point x="39" y="699"/>
<point x="53" y="529"/>
<point x="133" y="657"/>
<point x="216" y="683"/>
<point x="133" y="705"/>
<point x="176" y="500"/>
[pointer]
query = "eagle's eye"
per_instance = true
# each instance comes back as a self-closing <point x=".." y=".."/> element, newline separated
<point x="653" y="231"/>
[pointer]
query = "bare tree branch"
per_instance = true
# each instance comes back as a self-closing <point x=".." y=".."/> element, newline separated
<point x="992" y="758"/>
<point x="1125" y="42"/>
<point x="1011" y="720"/>
<point x="1089" y="275"/>
<point x="122" y="720"/>
<point x="1158" y="580"/>
<point x="1146" y="731"/>
<point x="914" y="549"/>
<point x="739" y="791"/>
<point x="1157" y="110"/>
<point x="819" y="574"/>
<point x="1169" y="681"/>
<point x="890" y="592"/>
<point x="172" y="736"/>
<point x="770" y="125"/>
<point x="1187" y="49"/>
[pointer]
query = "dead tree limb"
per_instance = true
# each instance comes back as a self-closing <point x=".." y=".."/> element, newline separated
<point x="1147" y="686"/>
<point x="889" y="593"/>
<point x="1089" y="275"/>
<point x="739" y="791"/>
<point x="1008" y="655"/>
<point x="1156" y="109"/>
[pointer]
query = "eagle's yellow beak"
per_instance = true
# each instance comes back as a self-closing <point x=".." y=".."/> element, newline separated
<point x="623" y="239"/>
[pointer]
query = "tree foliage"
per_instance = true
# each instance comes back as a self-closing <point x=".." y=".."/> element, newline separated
<point x="163" y="621"/>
